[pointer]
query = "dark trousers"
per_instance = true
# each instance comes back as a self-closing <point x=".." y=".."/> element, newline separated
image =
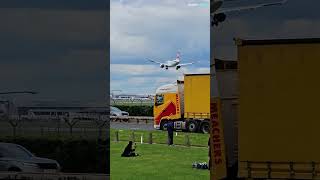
<point x="170" y="137"/>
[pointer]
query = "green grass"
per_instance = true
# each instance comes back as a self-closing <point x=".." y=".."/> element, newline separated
<point x="160" y="137"/>
<point x="158" y="162"/>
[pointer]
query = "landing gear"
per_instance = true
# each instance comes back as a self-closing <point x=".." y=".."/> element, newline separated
<point x="166" y="67"/>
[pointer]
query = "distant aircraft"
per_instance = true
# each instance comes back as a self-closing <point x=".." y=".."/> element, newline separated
<point x="172" y="63"/>
<point x="217" y="12"/>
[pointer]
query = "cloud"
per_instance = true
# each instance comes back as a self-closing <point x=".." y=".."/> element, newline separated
<point x="57" y="4"/>
<point x="157" y="29"/>
<point x="247" y="28"/>
<point x="153" y="29"/>
<point x="77" y="75"/>
<point x="61" y="52"/>
<point x="146" y="70"/>
<point x="55" y="26"/>
<point x="133" y="69"/>
<point x="139" y="79"/>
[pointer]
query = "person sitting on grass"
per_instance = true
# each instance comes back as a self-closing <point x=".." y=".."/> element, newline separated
<point x="129" y="151"/>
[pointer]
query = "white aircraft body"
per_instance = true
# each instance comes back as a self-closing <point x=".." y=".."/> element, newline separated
<point x="217" y="11"/>
<point x="171" y="63"/>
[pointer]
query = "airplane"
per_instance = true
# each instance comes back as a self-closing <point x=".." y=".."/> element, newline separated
<point x="217" y="12"/>
<point x="172" y="63"/>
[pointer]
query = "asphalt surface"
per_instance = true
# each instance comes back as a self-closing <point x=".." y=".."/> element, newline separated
<point x="132" y="126"/>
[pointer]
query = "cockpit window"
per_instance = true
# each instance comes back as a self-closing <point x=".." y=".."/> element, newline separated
<point x="159" y="99"/>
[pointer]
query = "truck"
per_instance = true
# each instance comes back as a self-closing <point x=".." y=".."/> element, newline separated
<point x="186" y="103"/>
<point x="277" y="123"/>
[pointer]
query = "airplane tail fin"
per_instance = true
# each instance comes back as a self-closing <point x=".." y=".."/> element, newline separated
<point x="178" y="56"/>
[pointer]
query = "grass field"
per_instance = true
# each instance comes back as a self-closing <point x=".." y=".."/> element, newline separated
<point x="158" y="162"/>
<point x="160" y="137"/>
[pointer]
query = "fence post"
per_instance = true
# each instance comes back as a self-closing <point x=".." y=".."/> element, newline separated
<point x="84" y="131"/>
<point x="150" y="138"/>
<point x="42" y="131"/>
<point x="132" y="137"/>
<point x="117" y="136"/>
<point x="141" y="139"/>
<point x="187" y="140"/>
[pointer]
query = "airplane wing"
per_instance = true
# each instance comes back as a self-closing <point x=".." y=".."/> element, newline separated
<point x="185" y="64"/>
<point x="249" y="7"/>
<point x="155" y="61"/>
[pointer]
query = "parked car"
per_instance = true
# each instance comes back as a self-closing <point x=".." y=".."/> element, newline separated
<point x="14" y="157"/>
<point x="114" y="111"/>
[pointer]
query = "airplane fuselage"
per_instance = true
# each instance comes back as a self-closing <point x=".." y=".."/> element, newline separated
<point x="172" y="63"/>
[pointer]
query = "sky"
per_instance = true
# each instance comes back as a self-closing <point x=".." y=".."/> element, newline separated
<point x="60" y="48"/>
<point x="295" y="19"/>
<point x="142" y="29"/>
<point x="57" y="48"/>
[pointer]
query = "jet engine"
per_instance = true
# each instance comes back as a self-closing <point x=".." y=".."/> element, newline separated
<point x="178" y="67"/>
<point x="162" y="65"/>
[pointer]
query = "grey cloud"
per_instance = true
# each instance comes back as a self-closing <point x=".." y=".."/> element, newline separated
<point x="62" y="53"/>
<point x="101" y="5"/>
<point x="296" y="19"/>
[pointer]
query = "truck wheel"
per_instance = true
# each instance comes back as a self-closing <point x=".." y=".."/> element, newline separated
<point x="192" y="126"/>
<point x="163" y="125"/>
<point x="205" y="127"/>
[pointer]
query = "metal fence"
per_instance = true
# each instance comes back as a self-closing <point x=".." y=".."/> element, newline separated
<point x="132" y="119"/>
<point x="131" y="102"/>
<point x="76" y="128"/>
<point x="159" y="137"/>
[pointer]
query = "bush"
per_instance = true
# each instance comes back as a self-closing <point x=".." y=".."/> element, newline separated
<point x="76" y="156"/>
<point x="137" y="110"/>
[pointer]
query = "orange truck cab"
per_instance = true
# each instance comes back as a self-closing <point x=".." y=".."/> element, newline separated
<point x="186" y="103"/>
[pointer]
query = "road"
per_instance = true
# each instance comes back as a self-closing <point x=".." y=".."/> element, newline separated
<point x="132" y="126"/>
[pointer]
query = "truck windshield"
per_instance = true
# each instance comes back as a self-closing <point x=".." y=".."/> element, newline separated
<point x="159" y="99"/>
<point x="115" y="109"/>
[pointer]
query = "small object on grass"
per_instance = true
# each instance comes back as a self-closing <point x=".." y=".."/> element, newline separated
<point x="203" y="165"/>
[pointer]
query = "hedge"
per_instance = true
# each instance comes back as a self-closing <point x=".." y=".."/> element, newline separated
<point x="137" y="110"/>
<point x="74" y="156"/>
